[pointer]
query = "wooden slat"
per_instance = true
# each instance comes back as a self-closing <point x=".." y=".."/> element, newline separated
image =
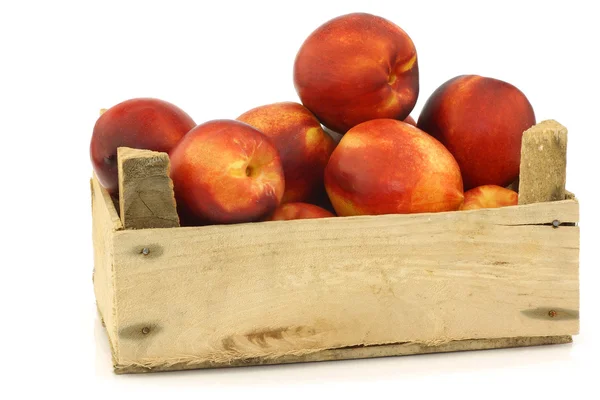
<point x="105" y="222"/>
<point x="146" y="197"/>
<point x="543" y="171"/>
<point x="221" y="294"/>
<point x="402" y="349"/>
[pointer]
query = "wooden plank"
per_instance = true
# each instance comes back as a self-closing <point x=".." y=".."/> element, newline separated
<point x="543" y="170"/>
<point x="146" y="197"/>
<point x="360" y="352"/>
<point x="105" y="206"/>
<point x="221" y="294"/>
<point x="105" y="222"/>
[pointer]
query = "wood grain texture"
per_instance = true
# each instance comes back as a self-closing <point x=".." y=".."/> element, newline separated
<point x="105" y="223"/>
<point x="146" y="197"/>
<point x="266" y="291"/>
<point x="386" y="350"/>
<point x="543" y="170"/>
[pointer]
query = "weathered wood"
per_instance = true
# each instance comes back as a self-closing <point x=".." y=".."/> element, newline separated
<point x="295" y="290"/>
<point x="105" y="223"/>
<point x="543" y="163"/>
<point x="386" y="350"/>
<point x="146" y="197"/>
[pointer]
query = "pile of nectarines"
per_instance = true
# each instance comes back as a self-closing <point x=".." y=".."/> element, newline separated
<point x="358" y="76"/>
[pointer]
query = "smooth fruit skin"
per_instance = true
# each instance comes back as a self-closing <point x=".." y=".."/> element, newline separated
<point x="225" y="171"/>
<point x="489" y="196"/>
<point x="481" y="121"/>
<point x="355" y="68"/>
<point x="387" y="166"/>
<point x="142" y="123"/>
<point x="291" y="211"/>
<point x="303" y="146"/>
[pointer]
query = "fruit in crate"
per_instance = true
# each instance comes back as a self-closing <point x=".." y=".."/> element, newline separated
<point x="387" y="166"/>
<point x="142" y="123"/>
<point x="489" y="196"/>
<point x="291" y="211"/>
<point x="303" y="146"/>
<point x="225" y="171"/>
<point x="356" y="68"/>
<point x="481" y="121"/>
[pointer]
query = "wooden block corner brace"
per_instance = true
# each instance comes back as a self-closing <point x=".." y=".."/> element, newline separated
<point x="146" y="198"/>
<point x="543" y="170"/>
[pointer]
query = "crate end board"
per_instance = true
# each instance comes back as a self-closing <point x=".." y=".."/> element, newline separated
<point x="358" y="352"/>
<point x="146" y="198"/>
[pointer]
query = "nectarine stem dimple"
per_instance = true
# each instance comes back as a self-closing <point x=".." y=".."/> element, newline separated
<point x="392" y="79"/>
<point x="249" y="171"/>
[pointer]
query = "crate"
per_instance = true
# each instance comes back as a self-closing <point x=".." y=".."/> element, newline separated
<point x="176" y="298"/>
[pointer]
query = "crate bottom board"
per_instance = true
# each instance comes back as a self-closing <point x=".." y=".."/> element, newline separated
<point x="357" y="352"/>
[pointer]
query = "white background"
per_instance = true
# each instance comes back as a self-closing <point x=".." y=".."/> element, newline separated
<point x="61" y="62"/>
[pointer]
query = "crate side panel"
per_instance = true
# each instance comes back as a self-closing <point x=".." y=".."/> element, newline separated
<point x="104" y="226"/>
<point x="267" y="290"/>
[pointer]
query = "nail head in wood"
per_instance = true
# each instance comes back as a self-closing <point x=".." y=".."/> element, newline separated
<point x="145" y="251"/>
<point x="552" y="313"/>
<point x="145" y="330"/>
<point x="555" y="223"/>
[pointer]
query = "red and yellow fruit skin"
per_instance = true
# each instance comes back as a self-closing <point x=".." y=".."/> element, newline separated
<point x="481" y="121"/>
<point x="291" y="211"/>
<point x="387" y="166"/>
<point x="225" y="171"/>
<point x="489" y="196"/>
<point x="303" y="146"/>
<point x="356" y="68"/>
<point x="142" y="123"/>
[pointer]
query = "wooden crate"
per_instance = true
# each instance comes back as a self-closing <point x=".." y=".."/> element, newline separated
<point x="338" y="288"/>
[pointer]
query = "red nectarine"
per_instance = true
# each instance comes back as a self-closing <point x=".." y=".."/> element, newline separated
<point x="489" y="196"/>
<point x="143" y="123"/>
<point x="291" y="211"/>
<point x="481" y="121"/>
<point x="356" y="68"/>
<point x="303" y="146"/>
<point x="226" y="171"/>
<point x="386" y="166"/>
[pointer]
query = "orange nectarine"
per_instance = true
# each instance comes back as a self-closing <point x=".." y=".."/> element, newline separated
<point x="303" y="146"/>
<point x="489" y="196"/>
<point x="225" y="171"/>
<point x="386" y="166"/>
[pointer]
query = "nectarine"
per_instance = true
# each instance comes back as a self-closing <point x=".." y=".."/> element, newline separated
<point x="356" y="68"/>
<point x="481" y="121"/>
<point x="386" y="166"/>
<point x="291" y="211"/>
<point x="142" y="123"/>
<point x="489" y="196"/>
<point x="226" y="171"/>
<point x="303" y="146"/>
